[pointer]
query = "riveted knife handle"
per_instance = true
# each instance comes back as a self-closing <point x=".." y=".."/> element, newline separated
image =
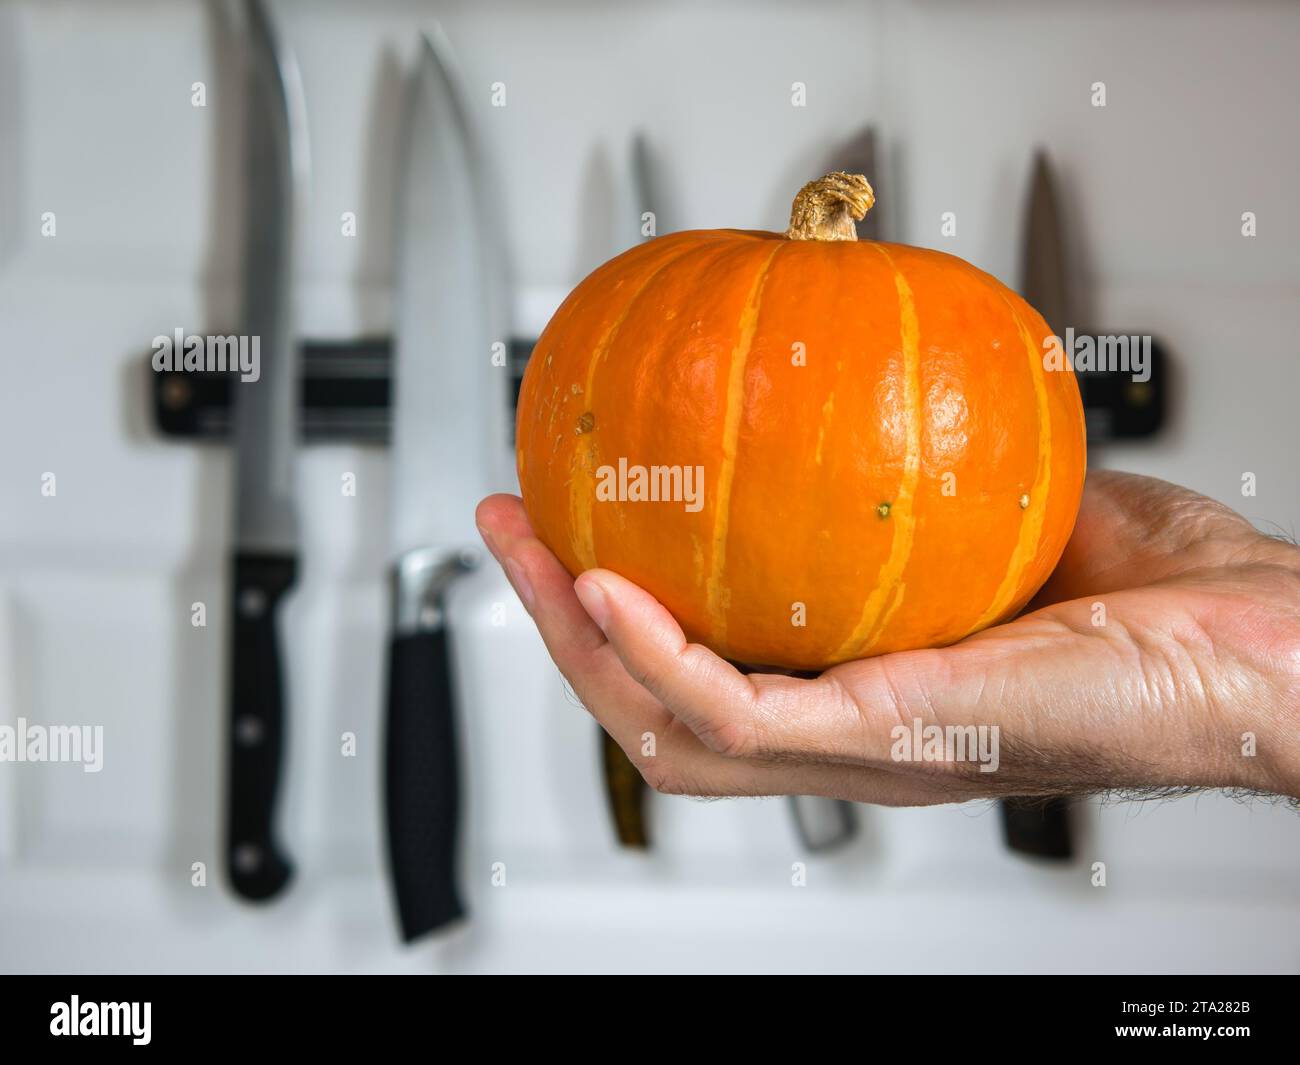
<point x="422" y="789"/>
<point x="1038" y="827"/>
<point x="625" y="789"/>
<point x="256" y="863"/>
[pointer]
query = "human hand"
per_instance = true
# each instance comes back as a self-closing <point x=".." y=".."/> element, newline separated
<point x="1164" y="652"/>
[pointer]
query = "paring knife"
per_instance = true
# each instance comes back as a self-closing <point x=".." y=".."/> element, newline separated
<point x="1041" y="827"/>
<point x="265" y="438"/>
<point x="625" y="788"/>
<point x="448" y="450"/>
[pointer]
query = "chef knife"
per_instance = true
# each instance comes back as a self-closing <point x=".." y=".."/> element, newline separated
<point x="448" y="447"/>
<point x="265" y="438"/>
<point x="1041" y="827"/>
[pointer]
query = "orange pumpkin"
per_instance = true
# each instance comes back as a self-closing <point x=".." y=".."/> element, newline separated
<point x="886" y="463"/>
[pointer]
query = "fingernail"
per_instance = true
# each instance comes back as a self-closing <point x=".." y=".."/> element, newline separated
<point x="491" y="544"/>
<point x="519" y="580"/>
<point x="594" y="601"/>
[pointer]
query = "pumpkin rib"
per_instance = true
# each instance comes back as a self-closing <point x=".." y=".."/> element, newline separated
<point x="581" y="481"/>
<point x="640" y="372"/>
<point x="546" y="390"/>
<point x="887" y="595"/>
<point x="1064" y="407"/>
<point x="733" y="410"/>
<point x="1031" y="526"/>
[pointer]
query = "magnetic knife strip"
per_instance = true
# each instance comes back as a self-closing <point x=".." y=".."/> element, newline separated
<point x="346" y="386"/>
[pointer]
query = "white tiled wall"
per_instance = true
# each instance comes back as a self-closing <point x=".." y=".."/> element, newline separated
<point x="96" y="584"/>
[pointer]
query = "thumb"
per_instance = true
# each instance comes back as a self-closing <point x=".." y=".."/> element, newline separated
<point x="759" y="715"/>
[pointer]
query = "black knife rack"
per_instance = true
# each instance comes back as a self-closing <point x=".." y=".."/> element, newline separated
<point x="345" y="390"/>
<point x="346" y="386"/>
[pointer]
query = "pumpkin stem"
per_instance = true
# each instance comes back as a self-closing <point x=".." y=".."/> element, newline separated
<point x="826" y="209"/>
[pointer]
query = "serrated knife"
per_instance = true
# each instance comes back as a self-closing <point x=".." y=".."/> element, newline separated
<point x="449" y="445"/>
<point x="265" y="438"/>
<point x="1041" y="827"/>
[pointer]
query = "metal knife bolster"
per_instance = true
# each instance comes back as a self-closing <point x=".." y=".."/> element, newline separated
<point x="823" y="824"/>
<point x="421" y="578"/>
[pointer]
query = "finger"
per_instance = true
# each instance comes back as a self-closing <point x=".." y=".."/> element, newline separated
<point x="678" y="762"/>
<point x="1071" y="705"/>
<point x="692" y="769"/>
<point x="1015" y="707"/>
<point x="576" y="644"/>
<point x="543" y="584"/>
<point x="758" y="716"/>
<point x="503" y="515"/>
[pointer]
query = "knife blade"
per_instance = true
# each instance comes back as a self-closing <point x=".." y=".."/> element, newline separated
<point x="625" y="788"/>
<point x="1043" y="276"/>
<point x="264" y="564"/>
<point x="1036" y="826"/>
<point x="858" y="156"/>
<point x="448" y="450"/>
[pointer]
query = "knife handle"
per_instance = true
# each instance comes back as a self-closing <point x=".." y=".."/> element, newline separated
<point x="625" y="789"/>
<point x="422" y="790"/>
<point x="256" y="863"/>
<point x="1038" y="827"/>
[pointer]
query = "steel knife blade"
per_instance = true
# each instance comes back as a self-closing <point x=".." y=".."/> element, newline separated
<point x="449" y="449"/>
<point x="449" y="399"/>
<point x="265" y="433"/>
<point x="1041" y="827"/>
<point x="858" y="156"/>
<point x="1044" y="279"/>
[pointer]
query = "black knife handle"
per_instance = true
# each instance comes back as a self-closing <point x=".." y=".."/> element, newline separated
<point x="625" y="789"/>
<point x="422" y="787"/>
<point x="256" y="863"/>
<point x="1038" y="827"/>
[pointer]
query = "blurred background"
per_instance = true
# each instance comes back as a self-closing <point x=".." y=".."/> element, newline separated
<point x="97" y="584"/>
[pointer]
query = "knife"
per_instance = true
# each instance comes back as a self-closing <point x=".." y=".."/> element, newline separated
<point x="448" y="449"/>
<point x="625" y="788"/>
<point x="827" y="824"/>
<point x="858" y="156"/>
<point x="821" y="824"/>
<point x="1041" y="827"/>
<point x="265" y="559"/>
